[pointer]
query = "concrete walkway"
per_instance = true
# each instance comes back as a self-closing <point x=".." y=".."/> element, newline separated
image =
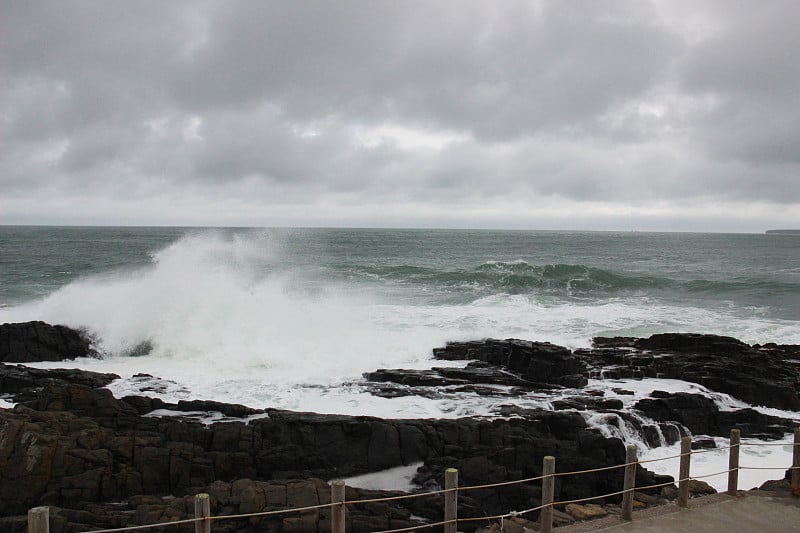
<point x="750" y="512"/>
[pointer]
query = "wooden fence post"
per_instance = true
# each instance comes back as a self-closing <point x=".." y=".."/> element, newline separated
<point x="629" y="483"/>
<point x="202" y="509"/>
<point x="733" y="462"/>
<point x="39" y="520"/>
<point x="451" y="500"/>
<point x="796" y="464"/>
<point x="548" y="492"/>
<point x="683" y="475"/>
<point x="337" y="511"/>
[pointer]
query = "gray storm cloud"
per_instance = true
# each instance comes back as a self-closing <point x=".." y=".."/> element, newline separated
<point x="661" y="115"/>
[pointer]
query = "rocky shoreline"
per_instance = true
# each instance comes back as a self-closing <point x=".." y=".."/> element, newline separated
<point x="102" y="462"/>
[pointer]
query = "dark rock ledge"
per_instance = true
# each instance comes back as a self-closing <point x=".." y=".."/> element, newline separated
<point x="28" y="342"/>
<point x="70" y="444"/>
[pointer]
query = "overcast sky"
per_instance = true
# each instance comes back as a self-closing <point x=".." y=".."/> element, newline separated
<point x="663" y="115"/>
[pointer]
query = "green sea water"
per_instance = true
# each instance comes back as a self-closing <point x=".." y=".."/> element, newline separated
<point x="503" y="282"/>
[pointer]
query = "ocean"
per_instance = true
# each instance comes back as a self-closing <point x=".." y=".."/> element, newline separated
<point x="291" y="318"/>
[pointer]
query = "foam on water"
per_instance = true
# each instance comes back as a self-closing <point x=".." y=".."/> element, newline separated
<point x="234" y="304"/>
<point x="398" y="478"/>
<point x="235" y="318"/>
<point x="704" y="462"/>
<point x="714" y="462"/>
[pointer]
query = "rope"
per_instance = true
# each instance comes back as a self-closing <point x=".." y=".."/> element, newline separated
<point x="502" y="516"/>
<point x="767" y="467"/>
<point x="659" y="485"/>
<point x="771" y="444"/>
<point x="712" y="475"/>
<point x="147" y="526"/>
<point x="592" y="470"/>
<point x="414" y="528"/>
<point x="567" y="502"/>
<point x="269" y="513"/>
<point x="662" y="458"/>
<point x="406" y="496"/>
<point x="501" y="484"/>
<point x="712" y="450"/>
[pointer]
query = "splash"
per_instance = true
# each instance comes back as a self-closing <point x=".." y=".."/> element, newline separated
<point x="226" y="304"/>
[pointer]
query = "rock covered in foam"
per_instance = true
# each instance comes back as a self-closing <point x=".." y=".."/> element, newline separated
<point x="767" y="375"/>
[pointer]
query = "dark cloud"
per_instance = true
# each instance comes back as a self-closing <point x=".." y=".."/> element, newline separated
<point x="415" y="109"/>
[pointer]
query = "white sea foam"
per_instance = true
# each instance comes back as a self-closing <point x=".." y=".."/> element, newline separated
<point x="205" y="417"/>
<point x="711" y="465"/>
<point x="398" y="478"/>
<point x="705" y="462"/>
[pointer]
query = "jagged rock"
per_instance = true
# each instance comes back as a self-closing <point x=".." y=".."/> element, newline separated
<point x="583" y="403"/>
<point x="703" y="444"/>
<point x="698" y="487"/>
<point x="701" y="415"/>
<point x="471" y="378"/>
<point x="24" y="383"/>
<point x="538" y="362"/>
<point x="767" y="375"/>
<point x="27" y="342"/>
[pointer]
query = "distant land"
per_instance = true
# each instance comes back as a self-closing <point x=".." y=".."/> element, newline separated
<point x="783" y="231"/>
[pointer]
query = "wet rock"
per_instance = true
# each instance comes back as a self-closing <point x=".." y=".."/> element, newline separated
<point x="703" y="444"/>
<point x="540" y="362"/>
<point x="28" y="342"/>
<point x="23" y="383"/>
<point x="701" y="415"/>
<point x="582" y="403"/>
<point x="475" y="373"/>
<point x="767" y="375"/>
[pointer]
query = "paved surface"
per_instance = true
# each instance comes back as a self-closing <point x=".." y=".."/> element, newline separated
<point x="747" y="514"/>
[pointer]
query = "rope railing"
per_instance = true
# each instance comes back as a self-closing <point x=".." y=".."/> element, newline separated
<point x="338" y="504"/>
<point x="416" y="528"/>
<point x="591" y="470"/>
<point x="148" y="526"/>
<point x="728" y="471"/>
<point x="656" y="486"/>
<point x="510" y="514"/>
<point x="270" y="513"/>
<point x="760" y="444"/>
<point x="405" y="496"/>
<point x="590" y="498"/>
<point x="678" y="456"/>
<point x="501" y="484"/>
<point x="767" y="468"/>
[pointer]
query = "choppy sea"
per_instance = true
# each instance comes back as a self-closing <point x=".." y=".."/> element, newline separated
<point x="291" y="318"/>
